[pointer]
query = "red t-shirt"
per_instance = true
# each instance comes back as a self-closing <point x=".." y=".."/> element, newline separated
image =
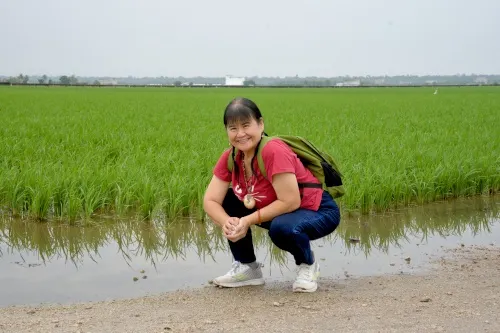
<point x="278" y="158"/>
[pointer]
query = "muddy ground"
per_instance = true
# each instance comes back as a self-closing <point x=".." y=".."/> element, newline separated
<point x="458" y="292"/>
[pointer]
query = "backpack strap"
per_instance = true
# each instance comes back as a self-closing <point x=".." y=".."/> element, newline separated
<point x="262" y="167"/>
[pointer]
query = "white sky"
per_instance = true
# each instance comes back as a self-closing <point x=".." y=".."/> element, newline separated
<point x="247" y="38"/>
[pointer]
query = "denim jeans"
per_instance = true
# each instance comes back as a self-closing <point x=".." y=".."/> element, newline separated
<point x="291" y="232"/>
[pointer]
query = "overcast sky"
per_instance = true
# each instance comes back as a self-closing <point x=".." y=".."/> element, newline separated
<point x="247" y="38"/>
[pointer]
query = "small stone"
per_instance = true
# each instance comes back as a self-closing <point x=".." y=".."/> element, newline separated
<point x="135" y="278"/>
<point x="211" y="322"/>
<point x="425" y="300"/>
<point x="276" y="304"/>
<point x="392" y="264"/>
<point x="487" y="321"/>
<point x="449" y="293"/>
<point x="363" y="304"/>
<point x="210" y="281"/>
<point x="55" y="321"/>
<point x="322" y="259"/>
<point x="143" y="271"/>
<point x="306" y="307"/>
<point x="144" y="277"/>
<point x="408" y="259"/>
<point x="378" y="317"/>
<point x="31" y="312"/>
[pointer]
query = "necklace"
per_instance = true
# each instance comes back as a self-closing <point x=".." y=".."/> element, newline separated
<point x="248" y="200"/>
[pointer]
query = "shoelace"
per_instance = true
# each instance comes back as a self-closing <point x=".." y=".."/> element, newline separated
<point x="236" y="268"/>
<point x="305" y="272"/>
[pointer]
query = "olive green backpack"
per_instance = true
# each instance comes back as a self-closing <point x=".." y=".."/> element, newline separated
<point x="321" y="164"/>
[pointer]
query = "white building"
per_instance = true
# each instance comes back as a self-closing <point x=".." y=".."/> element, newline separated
<point x="481" y="80"/>
<point x="353" y="83"/>
<point x="108" y="82"/>
<point x="234" y="81"/>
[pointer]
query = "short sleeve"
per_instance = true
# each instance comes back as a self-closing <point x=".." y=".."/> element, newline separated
<point x="220" y="170"/>
<point x="278" y="158"/>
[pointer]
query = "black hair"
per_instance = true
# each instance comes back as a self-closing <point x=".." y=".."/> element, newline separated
<point x="241" y="109"/>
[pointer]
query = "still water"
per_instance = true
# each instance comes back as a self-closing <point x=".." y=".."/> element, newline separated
<point x="56" y="263"/>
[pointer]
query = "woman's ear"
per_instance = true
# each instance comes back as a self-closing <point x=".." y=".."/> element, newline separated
<point x="261" y="124"/>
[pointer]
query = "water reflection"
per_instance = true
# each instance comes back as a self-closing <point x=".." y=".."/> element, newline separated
<point x="54" y="262"/>
<point x="441" y="218"/>
<point x="156" y="242"/>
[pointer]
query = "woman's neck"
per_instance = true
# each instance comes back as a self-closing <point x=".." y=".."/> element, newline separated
<point x="247" y="156"/>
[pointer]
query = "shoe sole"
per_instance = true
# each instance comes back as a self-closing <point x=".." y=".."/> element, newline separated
<point x="303" y="290"/>
<point x="254" y="282"/>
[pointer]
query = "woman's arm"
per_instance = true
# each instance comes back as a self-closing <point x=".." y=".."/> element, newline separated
<point x="288" y="199"/>
<point x="212" y="201"/>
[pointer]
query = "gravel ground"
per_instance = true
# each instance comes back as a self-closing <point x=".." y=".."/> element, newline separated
<point x="459" y="292"/>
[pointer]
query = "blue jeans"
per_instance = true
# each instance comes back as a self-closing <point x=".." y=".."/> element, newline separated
<point x="291" y="232"/>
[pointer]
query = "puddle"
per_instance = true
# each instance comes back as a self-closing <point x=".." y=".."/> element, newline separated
<point x="53" y="263"/>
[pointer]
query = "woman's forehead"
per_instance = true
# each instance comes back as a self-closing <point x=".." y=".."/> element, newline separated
<point x="239" y="120"/>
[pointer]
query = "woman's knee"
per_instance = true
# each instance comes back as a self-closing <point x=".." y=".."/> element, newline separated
<point x="280" y="229"/>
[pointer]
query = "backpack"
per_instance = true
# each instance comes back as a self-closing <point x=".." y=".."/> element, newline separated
<point x="321" y="164"/>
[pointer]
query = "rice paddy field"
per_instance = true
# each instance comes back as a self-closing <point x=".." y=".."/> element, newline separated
<point x="73" y="153"/>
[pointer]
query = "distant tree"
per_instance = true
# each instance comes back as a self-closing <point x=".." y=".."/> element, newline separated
<point x="249" y="83"/>
<point x="177" y="83"/>
<point x="40" y="81"/>
<point x="13" y="80"/>
<point x="73" y="79"/>
<point x="65" y="80"/>
<point x="26" y="78"/>
<point x="96" y="83"/>
<point x="51" y="81"/>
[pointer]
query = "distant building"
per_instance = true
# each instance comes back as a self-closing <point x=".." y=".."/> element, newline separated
<point x="108" y="82"/>
<point x="234" y="81"/>
<point x="353" y="83"/>
<point x="481" y="80"/>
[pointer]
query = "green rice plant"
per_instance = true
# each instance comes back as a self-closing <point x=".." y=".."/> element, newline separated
<point x="152" y="151"/>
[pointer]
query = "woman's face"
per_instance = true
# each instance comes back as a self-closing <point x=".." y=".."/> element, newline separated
<point x="245" y="135"/>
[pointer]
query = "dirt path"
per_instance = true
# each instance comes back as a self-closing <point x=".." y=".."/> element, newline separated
<point x="459" y="293"/>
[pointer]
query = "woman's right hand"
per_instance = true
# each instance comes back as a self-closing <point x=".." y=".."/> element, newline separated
<point x="230" y="226"/>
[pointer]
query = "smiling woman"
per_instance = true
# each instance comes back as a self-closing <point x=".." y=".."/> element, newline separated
<point x="238" y="198"/>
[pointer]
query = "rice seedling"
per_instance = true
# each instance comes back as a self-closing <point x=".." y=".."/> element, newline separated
<point x="71" y="154"/>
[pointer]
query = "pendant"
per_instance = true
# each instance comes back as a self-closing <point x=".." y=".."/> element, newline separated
<point x="249" y="201"/>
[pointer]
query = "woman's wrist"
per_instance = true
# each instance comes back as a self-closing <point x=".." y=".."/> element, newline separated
<point x="254" y="218"/>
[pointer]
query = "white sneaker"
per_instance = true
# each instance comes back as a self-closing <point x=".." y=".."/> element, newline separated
<point x="306" y="278"/>
<point x="241" y="275"/>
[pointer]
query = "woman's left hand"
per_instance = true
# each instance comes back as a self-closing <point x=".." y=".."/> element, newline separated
<point x="240" y="231"/>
